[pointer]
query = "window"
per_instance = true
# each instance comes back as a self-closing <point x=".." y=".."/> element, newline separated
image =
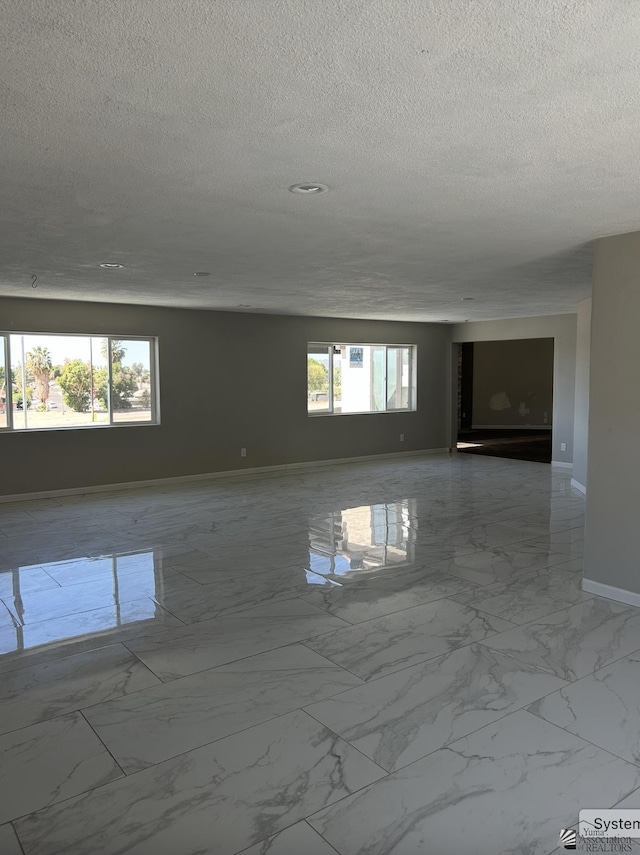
<point x="360" y="378"/>
<point x="4" y="416"/>
<point x="73" y="381"/>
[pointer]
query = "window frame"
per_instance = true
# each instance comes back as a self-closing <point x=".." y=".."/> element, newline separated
<point x="154" y="404"/>
<point x="412" y="384"/>
<point x="8" y="384"/>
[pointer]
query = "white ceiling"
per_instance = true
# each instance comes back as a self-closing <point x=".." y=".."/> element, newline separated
<point x="472" y="149"/>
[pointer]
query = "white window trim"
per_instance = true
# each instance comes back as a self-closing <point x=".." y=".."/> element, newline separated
<point x="413" y="397"/>
<point x="8" y="385"/>
<point x="153" y="371"/>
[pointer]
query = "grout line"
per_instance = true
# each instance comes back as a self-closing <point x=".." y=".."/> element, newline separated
<point x="219" y="739"/>
<point x="362" y="682"/>
<point x="80" y="709"/>
<point x="239" y="659"/>
<point x="522" y="708"/>
<point x="106" y="748"/>
<point x="583" y="738"/>
<point x="15" y="831"/>
<point x="100" y="643"/>
<point x="148" y="667"/>
<point x="315" y="831"/>
<point x="77" y="795"/>
<point x="281" y="831"/>
<point x="437" y="656"/>
<point x="576" y="679"/>
<point x="351" y="745"/>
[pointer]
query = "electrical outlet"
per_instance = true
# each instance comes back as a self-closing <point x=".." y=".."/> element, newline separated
<point x="563" y="446"/>
<point x="243" y="452"/>
<point x="401" y="437"/>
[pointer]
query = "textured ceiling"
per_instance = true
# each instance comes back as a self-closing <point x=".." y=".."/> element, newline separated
<point x="472" y="149"/>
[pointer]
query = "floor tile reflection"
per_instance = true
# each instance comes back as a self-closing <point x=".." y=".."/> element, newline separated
<point x="50" y="639"/>
<point x="377" y="657"/>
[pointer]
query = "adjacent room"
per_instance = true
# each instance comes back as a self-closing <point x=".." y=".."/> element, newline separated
<point x="319" y="472"/>
<point x="505" y="398"/>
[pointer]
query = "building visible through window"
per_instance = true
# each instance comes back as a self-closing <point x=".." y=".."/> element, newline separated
<point x="360" y="378"/>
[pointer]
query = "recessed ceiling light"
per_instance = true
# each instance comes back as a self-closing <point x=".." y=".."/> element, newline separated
<point x="202" y="273"/>
<point x="308" y="188"/>
<point x="111" y="265"/>
<point x="466" y="299"/>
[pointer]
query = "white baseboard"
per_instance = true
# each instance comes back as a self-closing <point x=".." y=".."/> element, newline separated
<point x="258" y="471"/>
<point x="579" y="486"/>
<point x="561" y="465"/>
<point x="511" y="427"/>
<point x="621" y="595"/>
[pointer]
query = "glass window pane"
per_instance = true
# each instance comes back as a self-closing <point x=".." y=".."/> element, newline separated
<point x="378" y="376"/>
<point x="398" y="360"/>
<point x="355" y="378"/>
<point x="405" y="382"/>
<point x="99" y="399"/>
<point x="4" y="384"/>
<point x="393" y="375"/>
<point x="131" y="389"/>
<point x="338" y="353"/>
<point x="55" y="370"/>
<point x="318" y="379"/>
<point x="366" y="378"/>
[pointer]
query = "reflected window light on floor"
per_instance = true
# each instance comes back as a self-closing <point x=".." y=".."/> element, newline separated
<point x="64" y="607"/>
<point x="361" y="539"/>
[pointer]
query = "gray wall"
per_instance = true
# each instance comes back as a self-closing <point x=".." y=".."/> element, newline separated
<point x="581" y="416"/>
<point x="613" y="498"/>
<point x="520" y="370"/>
<point x="562" y="329"/>
<point x="226" y="380"/>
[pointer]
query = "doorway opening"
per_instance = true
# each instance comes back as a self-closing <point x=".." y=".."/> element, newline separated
<point x="505" y="398"/>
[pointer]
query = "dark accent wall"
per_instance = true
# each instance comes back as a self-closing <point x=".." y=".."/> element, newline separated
<point x="520" y="372"/>
<point x="226" y="381"/>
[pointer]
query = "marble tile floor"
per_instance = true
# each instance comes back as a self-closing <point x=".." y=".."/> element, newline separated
<point x="386" y="657"/>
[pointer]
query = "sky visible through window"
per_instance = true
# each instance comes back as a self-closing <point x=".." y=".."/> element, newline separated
<point x="63" y="347"/>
